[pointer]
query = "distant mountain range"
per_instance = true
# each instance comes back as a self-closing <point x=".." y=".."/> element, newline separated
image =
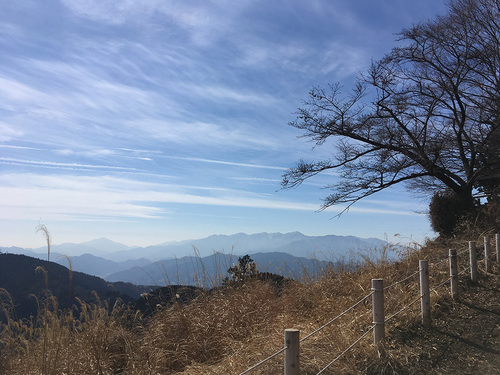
<point x="187" y="261"/>
<point x="127" y="272"/>
<point x="209" y="271"/>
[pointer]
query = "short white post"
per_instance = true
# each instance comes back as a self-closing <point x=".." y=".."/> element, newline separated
<point x="292" y="352"/>
<point x="378" y="310"/>
<point x="487" y="254"/>
<point x="473" y="261"/>
<point x="425" y="301"/>
<point x="454" y="274"/>
<point x="497" y="242"/>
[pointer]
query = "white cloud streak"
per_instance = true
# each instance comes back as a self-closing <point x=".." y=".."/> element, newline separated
<point x="63" y="165"/>
<point x="203" y="21"/>
<point x="24" y="196"/>
<point x="235" y="164"/>
<point x="7" y="132"/>
<point x="27" y="196"/>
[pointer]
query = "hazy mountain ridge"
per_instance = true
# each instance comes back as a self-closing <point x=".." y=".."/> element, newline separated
<point x="115" y="261"/>
<point x="97" y="246"/>
<point x="99" y="266"/>
<point x="209" y="271"/>
<point x="294" y="243"/>
<point x="329" y="247"/>
<point x="239" y="243"/>
<point x="107" y="245"/>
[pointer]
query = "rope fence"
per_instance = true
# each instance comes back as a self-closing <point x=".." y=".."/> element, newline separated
<point x="440" y="262"/>
<point x="345" y="351"/>
<point x="292" y="341"/>
<point x="403" y="280"/>
<point x="404" y="308"/>
<point x="440" y="284"/>
<point x="337" y="317"/>
<point x="265" y="360"/>
<point x="466" y="250"/>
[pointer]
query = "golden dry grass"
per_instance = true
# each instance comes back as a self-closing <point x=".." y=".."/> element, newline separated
<point x="227" y="330"/>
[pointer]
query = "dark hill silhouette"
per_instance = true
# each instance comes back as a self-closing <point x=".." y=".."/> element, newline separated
<point x="21" y="280"/>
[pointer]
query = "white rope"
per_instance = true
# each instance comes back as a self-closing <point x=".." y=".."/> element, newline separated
<point x="463" y="251"/>
<point x="440" y="285"/>
<point x="464" y="270"/>
<point x="265" y="360"/>
<point x="312" y="333"/>
<point x="403" y="280"/>
<point x="403" y="309"/>
<point x="337" y="317"/>
<point x="345" y="351"/>
<point x="441" y="261"/>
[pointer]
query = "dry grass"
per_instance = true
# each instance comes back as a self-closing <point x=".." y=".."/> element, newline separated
<point x="227" y="330"/>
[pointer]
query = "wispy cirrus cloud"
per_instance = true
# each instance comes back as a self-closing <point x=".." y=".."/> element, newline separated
<point x="131" y="110"/>
<point x="58" y="197"/>
<point x="202" y="21"/>
<point x="229" y="95"/>
<point x="31" y="195"/>
<point x="14" y="91"/>
<point x="82" y="96"/>
<point x="8" y="132"/>
<point x="19" y="147"/>
<point x="193" y="133"/>
<point x="223" y="162"/>
<point x="37" y="166"/>
<point x="257" y="180"/>
<point x="60" y="165"/>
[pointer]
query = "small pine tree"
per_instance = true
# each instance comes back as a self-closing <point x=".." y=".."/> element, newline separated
<point x="243" y="271"/>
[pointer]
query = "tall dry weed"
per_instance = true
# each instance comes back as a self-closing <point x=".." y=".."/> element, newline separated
<point x="207" y="329"/>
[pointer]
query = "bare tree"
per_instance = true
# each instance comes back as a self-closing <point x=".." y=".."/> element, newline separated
<point x="426" y="115"/>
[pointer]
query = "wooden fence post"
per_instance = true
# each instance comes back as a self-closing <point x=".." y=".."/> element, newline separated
<point x="454" y="274"/>
<point x="487" y="255"/>
<point x="425" y="301"/>
<point x="292" y="352"/>
<point x="497" y="242"/>
<point x="473" y="261"/>
<point x="378" y="310"/>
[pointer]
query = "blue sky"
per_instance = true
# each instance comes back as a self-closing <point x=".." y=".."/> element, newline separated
<point x="153" y="121"/>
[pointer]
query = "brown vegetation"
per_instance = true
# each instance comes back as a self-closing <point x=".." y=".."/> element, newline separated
<point x="228" y="330"/>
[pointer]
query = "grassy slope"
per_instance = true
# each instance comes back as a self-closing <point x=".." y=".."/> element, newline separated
<point x="227" y="331"/>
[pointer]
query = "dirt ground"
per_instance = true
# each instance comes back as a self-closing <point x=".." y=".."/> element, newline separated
<point x="464" y="337"/>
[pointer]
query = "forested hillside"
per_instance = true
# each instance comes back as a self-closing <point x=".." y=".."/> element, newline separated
<point x="24" y="281"/>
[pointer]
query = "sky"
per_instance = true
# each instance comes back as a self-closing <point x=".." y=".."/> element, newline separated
<point x="157" y="120"/>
